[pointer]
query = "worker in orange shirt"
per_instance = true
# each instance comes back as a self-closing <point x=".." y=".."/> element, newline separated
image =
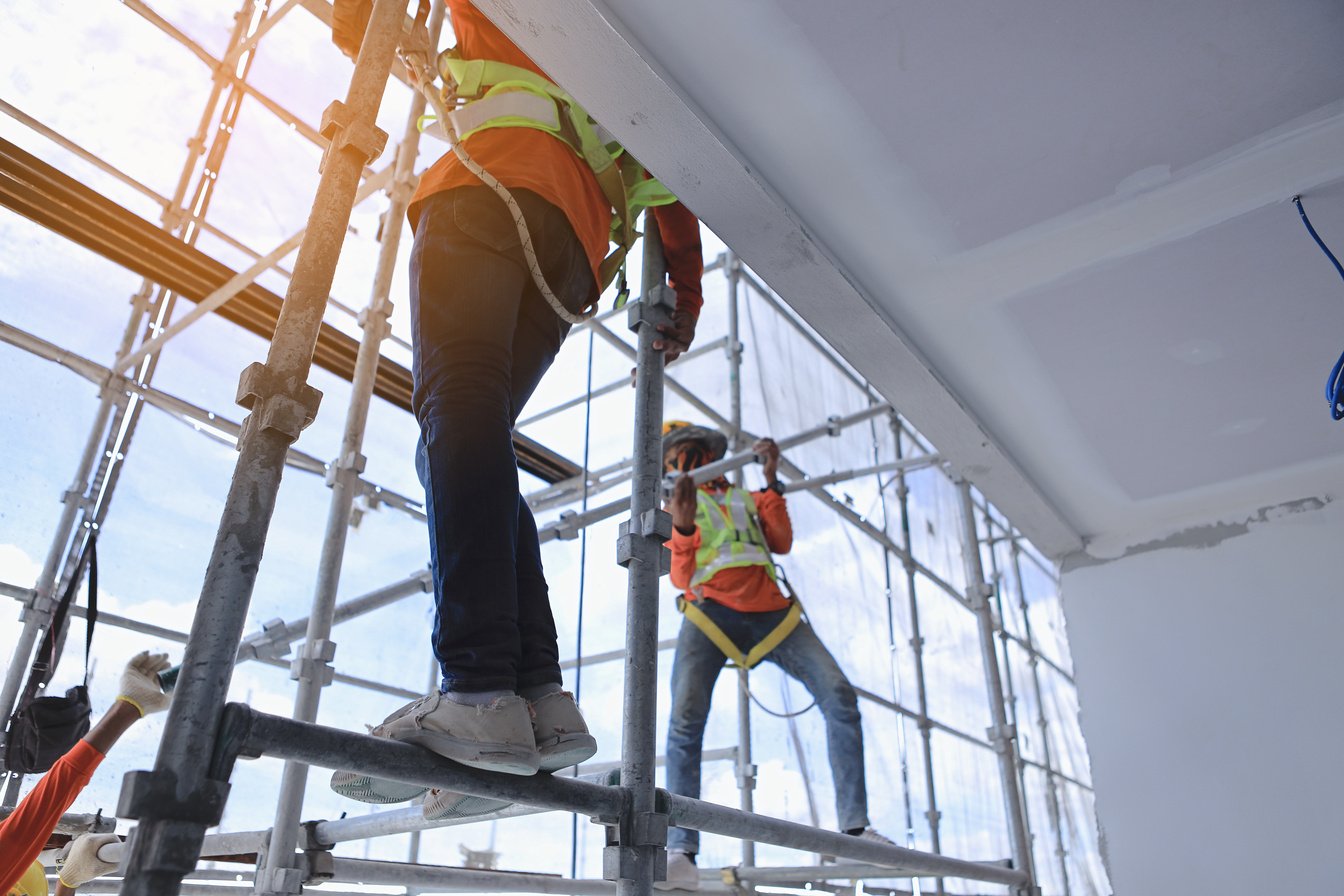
<point x="722" y="541"/>
<point x="483" y="336"/>
<point x="25" y="832"/>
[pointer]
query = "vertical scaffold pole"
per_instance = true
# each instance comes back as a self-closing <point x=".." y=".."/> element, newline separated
<point x="1001" y="735"/>
<point x="313" y="668"/>
<point x="917" y="647"/>
<point x="36" y="614"/>
<point x="1052" y="788"/>
<point x="639" y="855"/>
<point x="186" y="791"/>
<point x="746" y="770"/>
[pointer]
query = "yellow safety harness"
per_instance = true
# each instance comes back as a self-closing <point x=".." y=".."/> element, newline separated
<point x="731" y="537"/>
<point x="482" y="94"/>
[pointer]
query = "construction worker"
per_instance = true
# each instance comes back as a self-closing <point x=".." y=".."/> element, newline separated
<point x="483" y="337"/>
<point x="722" y="541"/>
<point x="26" y="831"/>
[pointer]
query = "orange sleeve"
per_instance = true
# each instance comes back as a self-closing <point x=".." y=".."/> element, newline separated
<point x="683" y="557"/>
<point x="775" y="523"/>
<point x="26" y="830"/>
<point x="681" y="244"/>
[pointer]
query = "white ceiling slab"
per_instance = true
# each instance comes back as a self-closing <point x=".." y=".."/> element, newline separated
<point x="950" y="193"/>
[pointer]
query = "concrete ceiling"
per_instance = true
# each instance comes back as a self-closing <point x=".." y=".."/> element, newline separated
<point x="1057" y="235"/>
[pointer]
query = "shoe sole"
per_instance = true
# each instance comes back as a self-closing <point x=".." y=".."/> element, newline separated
<point x="368" y="789"/>
<point x="504" y="758"/>
<point x="467" y="807"/>
<point x="669" y="885"/>
<point x="570" y="749"/>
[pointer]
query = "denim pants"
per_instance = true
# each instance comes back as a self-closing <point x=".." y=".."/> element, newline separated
<point x="483" y="338"/>
<point x="802" y="655"/>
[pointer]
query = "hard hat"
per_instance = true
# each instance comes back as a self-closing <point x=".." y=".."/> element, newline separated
<point x="678" y="432"/>
<point x="33" y="882"/>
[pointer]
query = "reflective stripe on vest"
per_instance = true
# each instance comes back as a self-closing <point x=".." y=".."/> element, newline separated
<point x="496" y="94"/>
<point x="730" y="536"/>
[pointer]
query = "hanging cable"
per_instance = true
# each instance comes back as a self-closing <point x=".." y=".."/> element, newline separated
<point x="583" y="578"/>
<point x="1334" y="384"/>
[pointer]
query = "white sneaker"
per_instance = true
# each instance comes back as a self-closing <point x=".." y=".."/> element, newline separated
<point x="873" y="836"/>
<point x="560" y="732"/>
<point x="496" y="736"/>
<point x="442" y="805"/>
<point x="367" y="789"/>
<point x="682" y="874"/>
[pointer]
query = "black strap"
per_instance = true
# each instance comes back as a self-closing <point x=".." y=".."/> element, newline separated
<point x="44" y="663"/>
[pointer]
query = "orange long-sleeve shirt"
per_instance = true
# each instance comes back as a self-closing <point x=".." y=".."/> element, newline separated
<point x="27" y="829"/>
<point x="528" y="159"/>
<point x="747" y="589"/>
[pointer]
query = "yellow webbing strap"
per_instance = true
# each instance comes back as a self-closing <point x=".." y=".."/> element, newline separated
<point x="725" y="643"/>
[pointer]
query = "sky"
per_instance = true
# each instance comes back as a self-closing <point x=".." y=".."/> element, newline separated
<point x="128" y="93"/>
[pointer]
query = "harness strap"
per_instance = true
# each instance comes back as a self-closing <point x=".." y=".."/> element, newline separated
<point x="711" y="630"/>
<point x="514" y="108"/>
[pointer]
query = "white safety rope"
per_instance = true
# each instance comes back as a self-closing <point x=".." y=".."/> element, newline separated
<point x="417" y="59"/>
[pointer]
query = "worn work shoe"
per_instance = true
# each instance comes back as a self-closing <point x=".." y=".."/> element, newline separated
<point x="873" y="836"/>
<point x="368" y="789"/>
<point x="445" y="805"/>
<point x="496" y="736"/>
<point x="559" y="730"/>
<point x="681" y="873"/>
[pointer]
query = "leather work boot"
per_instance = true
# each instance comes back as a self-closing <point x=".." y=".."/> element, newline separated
<point x="367" y="789"/>
<point x="561" y="735"/>
<point x="496" y="736"/>
<point x="444" y="805"/>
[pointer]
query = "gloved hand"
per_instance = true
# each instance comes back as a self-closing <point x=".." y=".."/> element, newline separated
<point x="78" y="862"/>
<point x="140" y="683"/>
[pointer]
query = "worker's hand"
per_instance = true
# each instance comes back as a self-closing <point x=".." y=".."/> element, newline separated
<point x="78" y="862"/>
<point x="682" y="505"/>
<point x="140" y="683"/>
<point x="768" y="453"/>
<point x="677" y="336"/>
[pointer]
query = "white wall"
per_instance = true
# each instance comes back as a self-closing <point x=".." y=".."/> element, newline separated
<point x="1211" y="678"/>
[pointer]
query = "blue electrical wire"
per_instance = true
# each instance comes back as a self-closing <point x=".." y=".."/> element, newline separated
<point x="1334" y="384"/>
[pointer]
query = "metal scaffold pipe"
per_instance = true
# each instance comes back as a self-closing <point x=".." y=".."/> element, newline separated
<point x="184" y="794"/>
<point x="1001" y="735"/>
<point x="313" y="669"/>
<point x="638" y="856"/>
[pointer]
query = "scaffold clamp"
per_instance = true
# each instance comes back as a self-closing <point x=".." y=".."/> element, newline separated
<point x="640" y="538"/>
<point x="342" y="132"/>
<point x="655" y="307"/>
<point x="146" y="794"/>
<point x="275" y="403"/>
<point x="314" y="664"/>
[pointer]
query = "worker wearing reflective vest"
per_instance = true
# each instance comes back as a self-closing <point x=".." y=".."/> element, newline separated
<point x="722" y="541"/>
<point x="483" y="336"/>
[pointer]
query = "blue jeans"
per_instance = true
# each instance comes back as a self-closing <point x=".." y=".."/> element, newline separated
<point x="483" y="337"/>
<point x="802" y="655"/>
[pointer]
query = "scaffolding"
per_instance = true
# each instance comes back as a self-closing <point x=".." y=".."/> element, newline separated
<point x="184" y="796"/>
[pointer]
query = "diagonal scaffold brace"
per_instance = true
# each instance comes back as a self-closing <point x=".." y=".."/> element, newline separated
<point x="182" y="796"/>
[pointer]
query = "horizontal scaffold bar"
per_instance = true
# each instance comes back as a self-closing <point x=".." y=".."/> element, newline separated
<point x="257" y="734"/>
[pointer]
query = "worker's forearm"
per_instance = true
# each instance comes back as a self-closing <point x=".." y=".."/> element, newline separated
<point x="63" y="890"/>
<point x="112" y="726"/>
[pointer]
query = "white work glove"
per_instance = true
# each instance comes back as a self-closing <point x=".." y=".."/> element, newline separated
<point x="140" y="682"/>
<point x="78" y="862"/>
